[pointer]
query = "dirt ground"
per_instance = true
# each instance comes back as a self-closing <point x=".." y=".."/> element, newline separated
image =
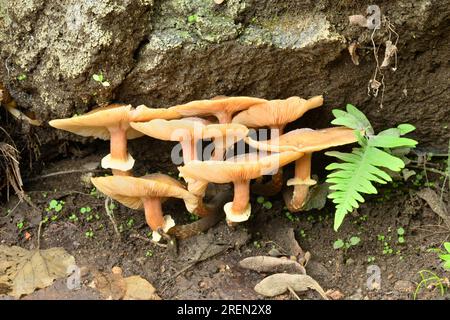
<point x="91" y="239"/>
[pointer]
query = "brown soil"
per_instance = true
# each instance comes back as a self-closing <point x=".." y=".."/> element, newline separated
<point x="219" y="276"/>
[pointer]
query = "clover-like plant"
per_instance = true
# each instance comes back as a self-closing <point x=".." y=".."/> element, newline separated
<point x="357" y="171"/>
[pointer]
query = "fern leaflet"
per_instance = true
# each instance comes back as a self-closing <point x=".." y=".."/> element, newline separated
<point x="364" y="165"/>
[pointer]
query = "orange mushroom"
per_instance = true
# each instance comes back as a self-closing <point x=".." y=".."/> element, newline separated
<point x="275" y="114"/>
<point x="239" y="170"/>
<point x="143" y="113"/>
<point x="187" y="131"/>
<point x="107" y="123"/>
<point x="146" y="192"/>
<point x="304" y="141"/>
<point x="221" y="107"/>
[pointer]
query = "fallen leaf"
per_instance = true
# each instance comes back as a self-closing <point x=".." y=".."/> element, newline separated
<point x="390" y="52"/>
<point x="353" y="54"/>
<point x="139" y="289"/>
<point x="435" y="203"/>
<point x="272" y="265"/>
<point x="334" y="294"/>
<point x="111" y="286"/>
<point x="23" y="271"/>
<point x="317" y="197"/>
<point x="279" y="283"/>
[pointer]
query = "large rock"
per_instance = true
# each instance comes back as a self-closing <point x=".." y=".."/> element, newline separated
<point x="172" y="51"/>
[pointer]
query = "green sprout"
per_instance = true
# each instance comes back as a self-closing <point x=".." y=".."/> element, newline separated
<point x="445" y="257"/>
<point x="20" y="225"/>
<point x="192" y="18"/>
<point x="84" y="210"/>
<point x="149" y="253"/>
<point x="260" y="200"/>
<point x="73" y="217"/>
<point x="353" y="241"/>
<point x="55" y="205"/>
<point x="89" y="234"/>
<point x="22" y="77"/>
<point x="267" y="205"/>
<point x="130" y="222"/>
<point x="101" y="79"/>
<point x="401" y="235"/>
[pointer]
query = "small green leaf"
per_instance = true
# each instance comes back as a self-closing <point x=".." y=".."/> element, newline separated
<point x="401" y="239"/>
<point x="400" y="231"/>
<point x="338" y="244"/>
<point x="354" y="240"/>
<point x="267" y="205"/>
<point x="192" y="18"/>
<point x="445" y="257"/>
<point x="447" y="246"/>
<point x="98" y="77"/>
<point x="22" y="77"/>
<point x="260" y="200"/>
<point x="405" y="128"/>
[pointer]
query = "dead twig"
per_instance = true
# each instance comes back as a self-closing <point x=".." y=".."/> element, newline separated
<point x="58" y="173"/>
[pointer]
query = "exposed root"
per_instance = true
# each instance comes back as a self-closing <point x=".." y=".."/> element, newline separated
<point x="9" y="162"/>
<point x="110" y="215"/>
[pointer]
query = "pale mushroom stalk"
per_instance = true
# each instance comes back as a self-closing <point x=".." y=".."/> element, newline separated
<point x="118" y="149"/>
<point x="154" y="215"/>
<point x="241" y="196"/>
<point x="189" y="148"/>
<point x="301" y="183"/>
<point x="219" y="149"/>
<point x="224" y="117"/>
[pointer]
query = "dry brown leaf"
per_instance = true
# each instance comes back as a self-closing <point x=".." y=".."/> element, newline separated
<point x="279" y="283"/>
<point x="272" y="265"/>
<point x="391" y="51"/>
<point x="111" y="286"/>
<point x="435" y="203"/>
<point x="353" y="54"/>
<point x="23" y="271"/>
<point x="139" y="289"/>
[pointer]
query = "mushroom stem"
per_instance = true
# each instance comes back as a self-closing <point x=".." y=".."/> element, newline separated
<point x="302" y="174"/>
<point x="241" y="196"/>
<point x="189" y="149"/>
<point x="219" y="149"/>
<point x="119" y="149"/>
<point x="153" y="213"/>
<point x="224" y="117"/>
<point x="117" y="172"/>
<point x="276" y="184"/>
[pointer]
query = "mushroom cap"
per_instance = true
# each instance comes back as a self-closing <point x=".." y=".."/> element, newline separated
<point x="277" y="112"/>
<point x="96" y="122"/>
<point x="130" y="190"/>
<point x="172" y="130"/>
<point x="228" y="130"/>
<point x="143" y="113"/>
<point x="306" y="140"/>
<point x="239" y="168"/>
<point x="216" y="105"/>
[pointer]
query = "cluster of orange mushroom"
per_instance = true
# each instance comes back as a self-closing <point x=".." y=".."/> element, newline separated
<point x="224" y="120"/>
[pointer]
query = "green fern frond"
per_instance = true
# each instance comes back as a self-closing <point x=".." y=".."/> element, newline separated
<point x="363" y="166"/>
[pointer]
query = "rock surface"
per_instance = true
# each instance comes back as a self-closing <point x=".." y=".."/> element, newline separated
<point x="166" y="52"/>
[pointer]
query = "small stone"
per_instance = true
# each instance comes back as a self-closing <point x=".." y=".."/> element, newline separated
<point x="405" y="286"/>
